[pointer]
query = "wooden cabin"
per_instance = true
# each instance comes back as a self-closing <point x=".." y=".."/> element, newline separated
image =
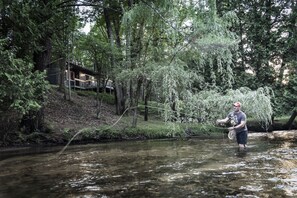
<point x="78" y="78"/>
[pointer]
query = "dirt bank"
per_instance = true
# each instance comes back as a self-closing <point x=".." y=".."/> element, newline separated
<point x="76" y="114"/>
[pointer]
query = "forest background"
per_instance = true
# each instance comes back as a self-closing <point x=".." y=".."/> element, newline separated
<point x="185" y="61"/>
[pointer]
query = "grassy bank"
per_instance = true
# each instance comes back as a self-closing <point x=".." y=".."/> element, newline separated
<point x="77" y="120"/>
<point x="153" y="129"/>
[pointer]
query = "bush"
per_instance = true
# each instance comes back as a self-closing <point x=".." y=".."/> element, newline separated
<point x="21" y="90"/>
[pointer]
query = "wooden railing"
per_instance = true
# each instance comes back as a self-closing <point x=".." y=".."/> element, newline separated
<point x="81" y="84"/>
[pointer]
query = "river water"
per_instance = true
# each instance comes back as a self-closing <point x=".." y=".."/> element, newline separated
<point x="159" y="168"/>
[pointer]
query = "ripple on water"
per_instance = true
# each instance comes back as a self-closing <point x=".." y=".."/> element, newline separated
<point x="93" y="188"/>
<point x="252" y="188"/>
<point x="162" y="169"/>
<point x="174" y="177"/>
<point x="231" y="173"/>
<point x="289" y="190"/>
<point x="92" y="165"/>
<point x="236" y="165"/>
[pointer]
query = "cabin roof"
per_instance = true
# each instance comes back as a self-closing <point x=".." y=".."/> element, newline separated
<point x="76" y="67"/>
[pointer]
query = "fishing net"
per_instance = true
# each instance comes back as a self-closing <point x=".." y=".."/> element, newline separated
<point x="232" y="134"/>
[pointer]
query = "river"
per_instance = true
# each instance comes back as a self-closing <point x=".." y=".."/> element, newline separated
<point x="156" y="168"/>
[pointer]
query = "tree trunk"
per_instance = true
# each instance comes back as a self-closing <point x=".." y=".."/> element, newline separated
<point x="62" y="65"/>
<point x="289" y="124"/>
<point x="135" y="105"/>
<point x="34" y="121"/>
<point x="98" y="101"/>
<point x="119" y="99"/>
<point x="281" y="72"/>
<point x="42" y="58"/>
<point x="119" y="92"/>
<point x="146" y="98"/>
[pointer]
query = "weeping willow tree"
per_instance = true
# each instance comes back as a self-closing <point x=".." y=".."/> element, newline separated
<point x="177" y="46"/>
<point x="197" y="83"/>
<point x="184" y="49"/>
<point x="199" y="55"/>
<point x="207" y="106"/>
<point x="142" y="29"/>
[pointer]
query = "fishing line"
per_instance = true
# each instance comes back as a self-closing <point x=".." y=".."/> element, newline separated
<point x="80" y="131"/>
<point x="129" y="108"/>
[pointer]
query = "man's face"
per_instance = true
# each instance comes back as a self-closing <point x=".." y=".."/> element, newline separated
<point x="236" y="107"/>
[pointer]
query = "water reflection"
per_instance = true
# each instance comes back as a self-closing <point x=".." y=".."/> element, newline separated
<point x="195" y="168"/>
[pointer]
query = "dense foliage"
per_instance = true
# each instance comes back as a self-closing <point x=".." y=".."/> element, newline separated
<point x="21" y="89"/>
<point x="267" y="48"/>
<point x="195" y="58"/>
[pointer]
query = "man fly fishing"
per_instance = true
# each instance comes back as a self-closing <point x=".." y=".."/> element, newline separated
<point x="237" y="118"/>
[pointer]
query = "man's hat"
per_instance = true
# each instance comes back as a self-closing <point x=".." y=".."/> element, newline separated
<point x="238" y="104"/>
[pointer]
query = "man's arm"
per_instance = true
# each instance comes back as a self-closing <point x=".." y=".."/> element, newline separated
<point x="241" y="125"/>
<point x="222" y="121"/>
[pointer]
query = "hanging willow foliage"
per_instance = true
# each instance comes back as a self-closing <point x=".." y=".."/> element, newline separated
<point x="195" y="52"/>
<point x="171" y="83"/>
<point x="207" y="106"/>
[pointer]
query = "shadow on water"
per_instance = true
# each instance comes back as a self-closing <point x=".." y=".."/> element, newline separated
<point x="241" y="153"/>
<point x="194" y="168"/>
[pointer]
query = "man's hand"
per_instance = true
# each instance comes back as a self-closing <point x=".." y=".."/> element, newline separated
<point x="220" y="123"/>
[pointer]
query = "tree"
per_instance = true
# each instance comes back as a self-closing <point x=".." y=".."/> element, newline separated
<point x="112" y="17"/>
<point x="263" y="46"/>
<point x="160" y="29"/>
<point x="94" y="50"/>
<point x="291" y="99"/>
<point x="21" y="90"/>
<point x="30" y="35"/>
